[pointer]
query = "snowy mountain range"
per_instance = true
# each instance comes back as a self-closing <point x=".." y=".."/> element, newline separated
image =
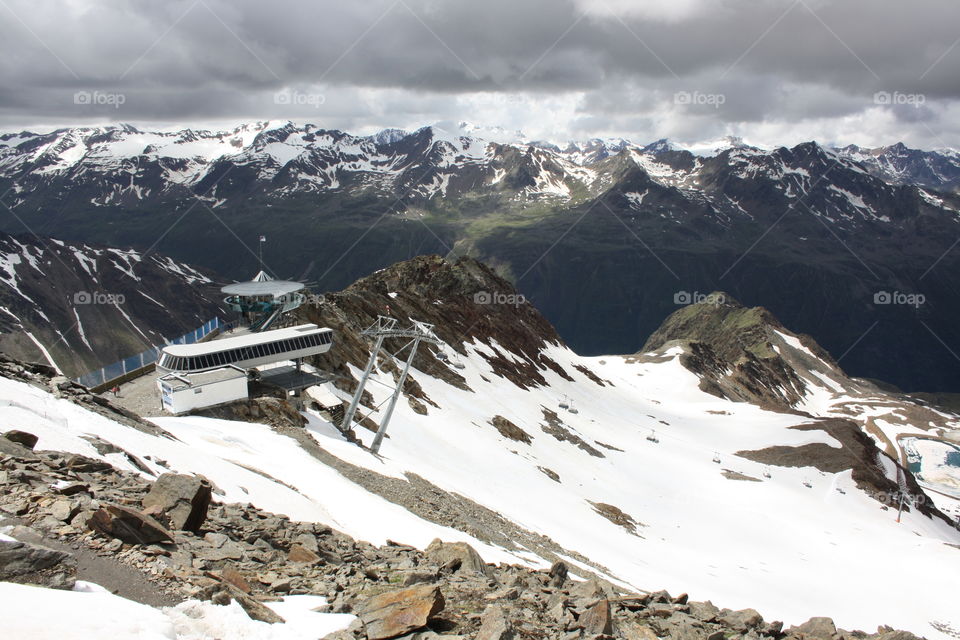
<point x="731" y="459"/>
<point x="812" y="232"/>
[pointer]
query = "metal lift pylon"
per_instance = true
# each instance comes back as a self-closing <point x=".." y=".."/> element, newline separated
<point x="386" y="327"/>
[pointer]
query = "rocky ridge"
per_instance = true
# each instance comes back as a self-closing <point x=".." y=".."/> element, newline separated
<point x="237" y="552"/>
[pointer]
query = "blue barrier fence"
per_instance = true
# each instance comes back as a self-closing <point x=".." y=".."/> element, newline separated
<point x="150" y="356"/>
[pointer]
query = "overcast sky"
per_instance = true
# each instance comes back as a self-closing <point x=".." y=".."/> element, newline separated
<point x="869" y="72"/>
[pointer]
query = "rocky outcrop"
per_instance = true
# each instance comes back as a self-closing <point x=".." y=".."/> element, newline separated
<point x="26" y="563"/>
<point x="736" y="352"/>
<point x="183" y="500"/>
<point x="478" y="304"/>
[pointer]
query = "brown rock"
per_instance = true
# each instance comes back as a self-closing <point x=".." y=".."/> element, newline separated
<point x="235" y="578"/>
<point x="558" y="574"/>
<point x="597" y="619"/>
<point x="22" y="438"/>
<point x="128" y="525"/>
<point x="254" y="608"/>
<point x="303" y="555"/>
<point x="395" y="613"/>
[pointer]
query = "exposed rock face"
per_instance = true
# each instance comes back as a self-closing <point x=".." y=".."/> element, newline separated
<point x="396" y="613"/>
<point x="469" y="312"/>
<point x="183" y="499"/>
<point x="731" y="348"/>
<point x="34" y="564"/>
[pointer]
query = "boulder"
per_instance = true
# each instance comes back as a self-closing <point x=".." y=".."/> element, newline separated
<point x="15" y="449"/>
<point x="234" y="578"/>
<point x="592" y="590"/>
<point x="395" y="613"/>
<point x="184" y="499"/>
<point x="703" y="611"/>
<point x="459" y="555"/>
<point x="494" y="625"/>
<point x="742" y="620"/>
<point x="821" y="628"/>
<point x="596" y="620"/>
<point x="632" y="630"/>
<point x="558" y="574"/>
<point x="63" y="510"/>
<point x="303" y="555"/>
<point x="22" y="438"/>
<point x="26" y="563"/>
<point x="128" y="525"/>
<point x="85" y="464"/>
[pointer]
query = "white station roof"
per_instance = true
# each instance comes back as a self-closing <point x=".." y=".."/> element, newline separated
<point x="274" y="288"/>
<point x="203" y="348"/>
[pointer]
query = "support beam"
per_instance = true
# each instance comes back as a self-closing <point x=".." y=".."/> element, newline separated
<point x="377" y="439"/>
<point x="347" y="423"/>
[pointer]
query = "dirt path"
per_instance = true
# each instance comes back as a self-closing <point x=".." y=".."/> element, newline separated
<point x="118" y="578"/>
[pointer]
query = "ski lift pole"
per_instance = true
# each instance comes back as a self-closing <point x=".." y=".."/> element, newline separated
<point x="901" y="492"/>
<point x="352" y="409"/>
<point x="377" y="439"/>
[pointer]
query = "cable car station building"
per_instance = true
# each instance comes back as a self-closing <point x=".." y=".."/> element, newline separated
<point x="207" y="374"/>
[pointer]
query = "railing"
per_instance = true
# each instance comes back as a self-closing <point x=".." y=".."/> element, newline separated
<point x="124" y="367"/>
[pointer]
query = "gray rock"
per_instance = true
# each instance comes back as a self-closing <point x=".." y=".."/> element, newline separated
<point x="558" y="574"/>
<point x="703" y="611"/>
<point x="742" y="620"/>
<point x="821" y="628"/>
<point x="216" y="540"/>
<point x="26" y="563"/>
<point x="591" y="590"/>
<point x="184" y="499"/>
<point x="307" y="541"/>
<point x="63" y="510"/>
<point x="459" y="555"/>
<point x="494" y="625"/>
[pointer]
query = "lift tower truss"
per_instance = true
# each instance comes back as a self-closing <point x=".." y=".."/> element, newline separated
<point x="385" y="328"/>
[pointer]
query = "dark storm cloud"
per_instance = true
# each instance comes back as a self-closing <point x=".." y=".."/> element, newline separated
<point x="194" y="60"/>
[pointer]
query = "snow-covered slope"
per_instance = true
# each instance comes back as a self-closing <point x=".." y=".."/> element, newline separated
<point x="637" y="479"/>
